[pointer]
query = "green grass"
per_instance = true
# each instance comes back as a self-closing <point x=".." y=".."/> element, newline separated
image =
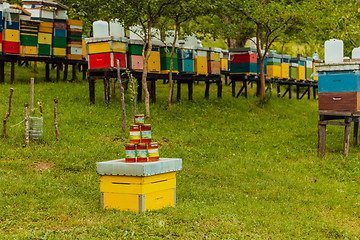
<point x="247" y="168"/>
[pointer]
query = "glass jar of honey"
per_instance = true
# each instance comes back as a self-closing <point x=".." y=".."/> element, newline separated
<point x="139" y="119"/>
<point x="141" y="153"/>
<point x="146" y="133"/>
<point x="130" y="153"/>
<point x="135" y="134"/>
<point x="153" y="151"/>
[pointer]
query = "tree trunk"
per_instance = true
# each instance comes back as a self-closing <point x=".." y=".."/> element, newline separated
<point x="123" y="125"/>
<point x="146" y="55"/>
<point x="9" y="112"/>
<point x="171" y="67"/>
<point x="261" y="58"/>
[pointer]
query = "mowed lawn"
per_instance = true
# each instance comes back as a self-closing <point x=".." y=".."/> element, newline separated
<point x="250" y="169"/>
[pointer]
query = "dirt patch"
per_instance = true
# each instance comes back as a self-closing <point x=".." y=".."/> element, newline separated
<point x="41" y="166"/>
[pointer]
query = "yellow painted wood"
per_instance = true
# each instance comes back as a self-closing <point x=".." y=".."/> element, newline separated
<point x="120" y="187"/>
<point x="273" y="71"/>
<point x="99" y="47"/>
<point x="74" y="56"/>
<point x="214" y="56"/>
<point x="200" y="65"/>
<point x="159" y="200"/>
<point x="168" y="71"/>
<point x="313" y="70"/>
<point x="285" y="70"/>
<point x="74" y="22"/>
<point x="83" y="46"/>
<point x="138" y="180"/>
<point x="12" y="35"/>
<point x="224" y="63"/>
<point x="46" y="24"/>
<point x="154" y="62"/>
<point x="45" y="30"/>
<point x="121" y="201"/>
<point x="119" y="47"/>
<point x="28" y="50"/>
<point x="130" y="202"/>
<point x="59" y="52"/>
<point x="44" y="38"/>
<point x="301" y="73"/>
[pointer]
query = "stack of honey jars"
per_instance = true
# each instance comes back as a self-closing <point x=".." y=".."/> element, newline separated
<point x="141" y="149"/>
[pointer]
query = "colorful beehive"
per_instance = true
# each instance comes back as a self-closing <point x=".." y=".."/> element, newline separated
<point x="74" y="39"/>
<point x="224" y="61"/>
<point x="138" y="187"/>
<point x="285" y="66"/>
<point x="83" y="46"/>
<point x="104" y="52"/>
<point x="165" y="60"/>
<point x="135" y="58"/>
<point x="213" y="58"/>
<point x="11" y="33"/>
<point x="59" y="42"/>
<point x="301" y="68"/>
<point x="40" y="10"/>
<point x="29" y="38"/>
<point x="185" y="59"/>
<point x="293" y="69"/>
<point x="339" y="87"/>
<point x="274" y="65"/>
<point x="1" y="31"/>
<point x="200" y="61"/>
<point x="243" y="61"/>
<point x="308" y="68"/>
<point x="153" y="64"/>
<point x="315" y="62"/>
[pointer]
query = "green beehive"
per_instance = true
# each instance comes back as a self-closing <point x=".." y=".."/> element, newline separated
<point x="28" y="40"/>
<point x="59" y="42"/>
<point x="135" y="47"/>
<point x="308" y="67"/>
<point x="293" y="71"/>
<point x="165" y="62"/>
<point x="44" y="49"/>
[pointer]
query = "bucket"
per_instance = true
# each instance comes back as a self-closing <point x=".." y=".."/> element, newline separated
<point x="36" y="127"/>
<point x="334" y="50"/>
<point x="100" y="29"/>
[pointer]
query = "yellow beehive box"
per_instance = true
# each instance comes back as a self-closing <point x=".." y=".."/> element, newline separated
<point x="200" y="65"/>
<point x="12" y="35"/>
<point x="44" y="38"/>
<point x="106" y="47"/>
<point x="154" y="62"/>
<point x="138" y="194"/>
<point x="301" y="73"/>
<point x="224" y="64"/>
<point x="74" y="22"/>
<point x="74" y="56"/>
<point x="273" y="71"/>
<point x="285" y="71"/>
<point x="28" y="51"/>
<point x="59" y="52"/>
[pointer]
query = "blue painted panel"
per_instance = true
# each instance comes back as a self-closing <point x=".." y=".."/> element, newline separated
<point x="188" y="65"/>
<point x="60" y="20"/>
<point x="245" y="67"/>
<point x="265" y="65"/>
<point x="301" y="63"/>
<point x="285" y="60"/>
<point x="13" y="25"/>
<point x="338" y="81"/>
<point x="59" y="32"/>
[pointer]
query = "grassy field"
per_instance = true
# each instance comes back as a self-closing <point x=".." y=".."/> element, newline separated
<point x="247" y="168"/>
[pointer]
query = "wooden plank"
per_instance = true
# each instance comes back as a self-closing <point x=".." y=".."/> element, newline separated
<point x="339" y="113"/>
<point x="341" y="101"/>
<point x="356" y="134"/>
<point x="333" y="123"/>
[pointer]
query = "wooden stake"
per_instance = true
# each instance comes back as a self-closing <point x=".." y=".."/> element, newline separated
<point x="26" y="124"/>
<point x="41" y="109"/>
<point x="123" y="125"/>
<point x="31" y="96"/>
<point x="55" y="120"/>
<point x="134" y="92"/>
<point x="113" y="87"/>
<point x="9" y="111"/>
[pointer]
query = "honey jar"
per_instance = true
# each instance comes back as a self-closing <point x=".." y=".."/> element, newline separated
<point x="153" y="152"/>
<point x="135" y="134"/>
<point x="130" y="153"/>
<point x="146" y="133"/>
<point x="139" y="119"/>
<point x="141" y="153"/>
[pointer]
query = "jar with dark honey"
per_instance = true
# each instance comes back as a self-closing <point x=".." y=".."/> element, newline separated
<point x="153" y="152"/>
<point x="135" y="134"/>
<point x="130" y="153"/>
<point x="141" y="153"/>
<point x="139" y="119"/>
<point x="146" y="133"/>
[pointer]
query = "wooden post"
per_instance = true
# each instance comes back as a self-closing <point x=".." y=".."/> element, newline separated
<point x="123" y="125"/>
<point x="297" y="91"/>
<point x="9" y="111"/>
<point x="73" y="72"/>
<point x="134" y="93"/>
<point x="26" y="125"/>
<point x="219" y="85"/>
<point x="233" y="86"/>
<point x="113" y="87"/>
<point x="57" y="72"/>
<point x="31" y="96"/>
<point x="356" y="134"/>
<point x="47" y="72"/>
<point x="278" y="90"/>
<point x="246" y="85"/>
<point x="309" y="92"/>
<point x="2" y="73"/>
<point x="12" y="72"/>
<point x="321" y="137"/>
<point x="107" y="90"/>
<point x="207" y="89"/>
<point x="191" y="89"/>
<point x="314" y="92"/>
<point x="347" y="137"/>
<point x="92" y="90"/>
<point x="290" y="91"/>
<point x="178" y="91"/>
<point x="55" y="120"/>
<point x="66" y="68"/>
<point x="84" y="71"/>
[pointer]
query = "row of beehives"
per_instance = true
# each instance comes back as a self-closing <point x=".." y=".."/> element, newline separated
<point x="36" y="30"/>
<point x="103" y="53"/>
